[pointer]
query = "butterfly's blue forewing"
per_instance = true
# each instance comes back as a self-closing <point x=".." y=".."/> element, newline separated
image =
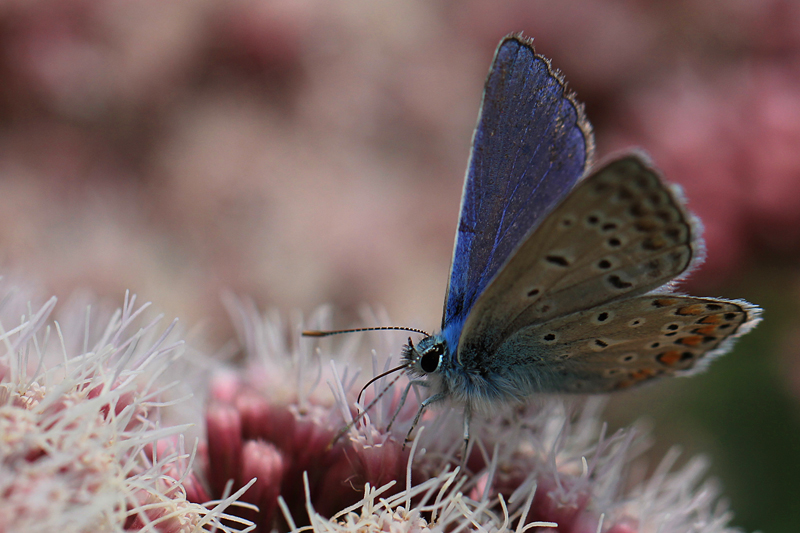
<point x="531" y="145"/>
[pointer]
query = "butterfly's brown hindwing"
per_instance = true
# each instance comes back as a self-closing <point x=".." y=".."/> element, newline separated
<point x="624" y="343"/>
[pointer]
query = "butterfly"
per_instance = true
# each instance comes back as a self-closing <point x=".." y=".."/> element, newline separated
<point x="562" y="277"/>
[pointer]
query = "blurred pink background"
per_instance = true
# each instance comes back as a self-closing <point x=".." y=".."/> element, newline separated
<point x="306" y="152"/>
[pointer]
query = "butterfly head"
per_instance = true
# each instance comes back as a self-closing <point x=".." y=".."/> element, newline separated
<point x="429" y="356"/>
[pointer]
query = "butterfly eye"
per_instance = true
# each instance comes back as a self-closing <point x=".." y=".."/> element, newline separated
<point x="429" y="362"/>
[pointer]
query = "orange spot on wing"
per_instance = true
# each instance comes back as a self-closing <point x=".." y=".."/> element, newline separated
<point x="669" y="358"/>
<point x="696" y="309"/>
<point x="713" y="319"/>
<point x="692" y="340"/>
<point x="705" y="330"/>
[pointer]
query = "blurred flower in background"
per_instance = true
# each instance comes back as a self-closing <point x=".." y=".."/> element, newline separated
<point x="304" y="152"/>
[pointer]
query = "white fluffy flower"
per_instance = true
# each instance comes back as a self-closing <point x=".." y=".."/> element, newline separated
<point x="81" y="447"/>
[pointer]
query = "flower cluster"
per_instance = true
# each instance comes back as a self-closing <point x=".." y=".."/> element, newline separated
<point x="81" y="446"/>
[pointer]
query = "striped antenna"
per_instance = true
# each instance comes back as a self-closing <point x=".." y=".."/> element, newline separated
<point x="315" y="333"/>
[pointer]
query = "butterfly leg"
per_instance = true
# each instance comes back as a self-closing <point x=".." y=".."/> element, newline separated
<point x="403" y="400"/>
<point x="425" y="403"/>
<point x="467" y="418"/>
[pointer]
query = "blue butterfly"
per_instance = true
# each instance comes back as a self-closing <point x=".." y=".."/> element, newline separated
<point x="553" y="276"/>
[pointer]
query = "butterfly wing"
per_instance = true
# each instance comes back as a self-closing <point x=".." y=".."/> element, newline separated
<point x="617" y="345"/>
<point x="620" y="233"/>
<point x="531" y="144"/>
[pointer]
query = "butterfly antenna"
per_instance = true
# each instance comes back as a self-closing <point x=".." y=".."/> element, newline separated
<point x="315" y="333"/>
<point x="363" y="413"/>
